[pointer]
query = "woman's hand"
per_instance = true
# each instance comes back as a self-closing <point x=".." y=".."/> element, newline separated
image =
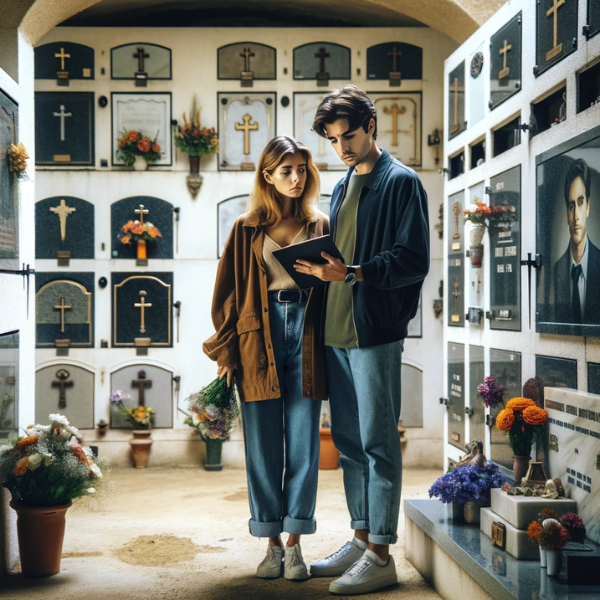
<point x="226" y="370"/>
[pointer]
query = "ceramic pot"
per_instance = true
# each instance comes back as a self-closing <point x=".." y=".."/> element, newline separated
<point x="140" y="164"/>
<point x="458" y="511"/>
<point x="329" y="457"/>
<point x="141" y="249"/>
<point x="554" y="558"/>
<point x="41" y="530"/>
<point x="213" y="455"/>
<point x="542" y="557"/>
<point x="520" y="467"/>
<point x="140" y="447"/>
<point x="476" y="255"/>
<point x="472" y="511"/>
<point x="476" y="233"/>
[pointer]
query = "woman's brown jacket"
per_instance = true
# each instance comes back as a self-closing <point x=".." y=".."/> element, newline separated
<point x="240" y="314"/>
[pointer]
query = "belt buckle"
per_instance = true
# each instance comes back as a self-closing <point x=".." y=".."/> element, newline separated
<point x="279" y="297"/>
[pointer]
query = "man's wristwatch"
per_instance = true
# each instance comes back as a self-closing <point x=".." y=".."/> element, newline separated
<point x="350" y="278"/>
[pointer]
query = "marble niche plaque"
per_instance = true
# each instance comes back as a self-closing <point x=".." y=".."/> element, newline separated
<point x="322" y="61"/>
<point x="64" y="61"/>
<point x="478" y="69"/>
<point x="505" y="366"/>
<point x="574" y="450"/>
<point x="394" y="61"/>
<point x="9" y="385"/>
<point x="456" y="395"/>
<point x="505" y="67"/>
<point x="147" y="113"/>
<point x="456" y="259"/>
<point x="9" y="189"/>
<point x="68" y="390"/>
<point x="556" y="35"/>
<point x="476" y="376"/>
<point x="456" y="100"/>
<point x="140" y="62"/>
<point x="247" y="61"/>
<point x="246" y="124"/>
<point x="505" y="251"/>
<point x="476" y="274"/>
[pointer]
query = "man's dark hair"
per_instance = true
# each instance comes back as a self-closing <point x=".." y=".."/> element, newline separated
<point x="351" y="104"/>
<point x="578" y="169"/>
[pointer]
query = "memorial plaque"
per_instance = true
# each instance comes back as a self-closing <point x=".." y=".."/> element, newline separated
<point x="568" y="237"/>
<point x="246" y="125"/>
<point x="505" y="67"/>
<point x="68" y="390"/>
<point x="556" y="372"/>
<point x="140" y="62"/>
<point x="593" y="18"/>
<point x="394" y="61"/>
<point x="556" y="35"/>
<point x="64" y="129"/>
<point x="146" y="113"/>
<point x="256" y="61"/>
<point x="456" y="395"/>
<point x="64" y="224"/>
<point x="411" y="414"/>
<point x="399" y="125"/>
<point x="322" y="61"/>
<point x="64" y="307"/>
<point x="456" y="100"/>
<point x="476" y="274"/>
<point x="156" y="211"/>
<point x="476" y="377"/>
<point x="574" y="450"/>
<point x="455" y="301"/>
<point x="505" y="251"/>
<point x="64" y="61"/>
<point x="505" y="366"/>
<point x="156" y="392"/>
<point x="305" y="107"/>
<point x="9" y="386"/>
<point x="478" y="69"/>
<point x="142" y="309"/>
<point x="9" y="189"/>
<point x="593" y="378"/>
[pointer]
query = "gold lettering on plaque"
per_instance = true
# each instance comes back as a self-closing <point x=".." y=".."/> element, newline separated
<point x="504" y="51"/>
<point x="142" y="305"/>
<point x="246" y="128"/>
<point x="456" y="126"/>
<point x="394" y="110"/>
<point x="63" y="211"/>
<point x="557" y="48"/>
<point x="62" y="307"/>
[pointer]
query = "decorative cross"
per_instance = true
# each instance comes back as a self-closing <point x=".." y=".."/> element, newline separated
<point x="456" y="211"/>
<point x="142" y="383"/>
<point x="141" y="211"/>
<point x="456" y="126"/>
<point x="394" y="54"/>
<point x="553" y="10"/>
<point x="394" y="110"/>
<point x="143" y="305"/>
<point x="246" y="128"/>
<point x="141" y="55"/>
<point x="504" y="52"/>
<point x="63" y="211"/>
<point x="246" y="55"/>
<point x="62" y="384"/>
<point x="456" y="294"/>
<point x="62" y="114"/>
<point x="322" y="54"/>
<point x="62" y="57"/>
<point x="62" y="307"/>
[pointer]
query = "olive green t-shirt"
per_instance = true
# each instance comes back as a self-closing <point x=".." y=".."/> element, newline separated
<point x="339" y="317"/>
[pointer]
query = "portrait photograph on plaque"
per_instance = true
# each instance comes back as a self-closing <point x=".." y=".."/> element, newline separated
<point x="147" y="113"/>
<point x="568" y="237"/>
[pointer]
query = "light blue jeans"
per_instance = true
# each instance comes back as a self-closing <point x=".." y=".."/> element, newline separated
<point x="282" y="437"/>
<point x="365" y="394"/>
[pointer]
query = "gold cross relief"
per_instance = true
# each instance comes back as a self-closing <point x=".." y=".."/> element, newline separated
<point x="504" y="51"/>
<point x="557" y="48"/>
<point x="62" y="57"/>
<point x="246" y="128"/>
<point x="62" y="211"/>
<point x="142" y="305"/>
<point x="395" y="111"/>
<point x="62" y="307"/>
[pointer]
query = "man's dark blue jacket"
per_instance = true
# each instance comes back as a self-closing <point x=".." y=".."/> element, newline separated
<point x="392" y="247"/>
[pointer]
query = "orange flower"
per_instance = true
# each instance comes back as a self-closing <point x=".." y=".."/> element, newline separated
<point x="122" y="142"/>
<point x="78" y="452"/>
<point x="21" y="466"/>
<point x="154" y="232"/>
<point x="25" y="442"/>
<point x="505" y="419"/>
<point x="533" y="530"/>
<point x="125" y="239"/>
<point x="132" y="136"/>
<point x="519" y="404"/>
<point x="143" y="145"/>
<point x="137" y="228"/>
<point x="534" y="415"/>
<point x="155" y="147"/>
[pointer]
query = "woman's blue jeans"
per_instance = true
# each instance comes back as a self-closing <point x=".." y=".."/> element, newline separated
<point x="282" y="437"/>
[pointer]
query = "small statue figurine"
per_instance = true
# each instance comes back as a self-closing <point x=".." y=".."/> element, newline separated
<point x="550" y="493"/>
<point x="475" y="455"/>
<point x="559" y="487"/>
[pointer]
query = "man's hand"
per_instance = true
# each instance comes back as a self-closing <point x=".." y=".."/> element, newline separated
<point x="228" y="370"/>
<point x="333" y="270"/>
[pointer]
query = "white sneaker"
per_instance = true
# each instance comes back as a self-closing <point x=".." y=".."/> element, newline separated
<point x="294" y="567"/>
<point x="270" y="567"/>
<point x="340" y="561"/>
<point x="366" y="575"/>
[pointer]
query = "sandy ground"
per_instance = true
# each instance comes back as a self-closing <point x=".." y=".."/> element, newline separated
<point x="183" y="534"/>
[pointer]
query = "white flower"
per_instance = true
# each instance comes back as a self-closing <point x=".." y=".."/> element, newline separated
<point x="95" y="470"/>
<point x="38" y="429"/>
<point x="35" y="461"/>
<point x="64" y="433"/>
<point x="48" y="458"/>
<point x="88" y="451"/>
<point x="59" y="420"/>
<point x="90" y="491"/>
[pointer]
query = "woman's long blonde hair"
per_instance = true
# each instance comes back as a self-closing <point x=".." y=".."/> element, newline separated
<point x="265" y="202"/>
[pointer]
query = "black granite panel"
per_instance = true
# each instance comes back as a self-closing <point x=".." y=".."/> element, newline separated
<point x="593" y="378"/>
<point x="380" y="60"/>
<point x="593" y="12"/>
<point x="308" y="62"/>
<point x="456" y="100"/>
<point x="258" y="59"/>
<point x="9" y="189"/>
<point x="476" y="376"/>
<point x="79" y="64"/>
<point x="557" y="34"/>
<point x="556" y="372"/>
<point x="456" y="395"/>
<point x="505" y="69"/>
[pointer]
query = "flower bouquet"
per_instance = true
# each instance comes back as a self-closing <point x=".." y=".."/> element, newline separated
<point x="551" y="536"/>
<point x="574" y="525"/>
<point x="491" y="392"/>
<point x="140" y="417"/>
<point x="132" y="144"/>
<point x="139" y="233"/>
<point x="194" y="140"/>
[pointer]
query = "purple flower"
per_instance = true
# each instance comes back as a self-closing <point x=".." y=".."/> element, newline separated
<point x="468" y="483"/>
<point x="491" y="393"/>
<point x="118" y="396"/>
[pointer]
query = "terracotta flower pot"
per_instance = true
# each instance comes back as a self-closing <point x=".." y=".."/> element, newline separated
<point x="329" y="457"/>
<point x="476" y="255"/>
<point x="213" y="455"/>
<point x="140" y="447"/>
<point x="41" y="530"/>
<point x="520" y="466"/>
<point x="141" y="249"/>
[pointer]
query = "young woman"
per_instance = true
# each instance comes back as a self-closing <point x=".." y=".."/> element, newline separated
<point x="268" y="333"/>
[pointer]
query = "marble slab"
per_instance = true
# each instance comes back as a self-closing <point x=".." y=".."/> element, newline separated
<point x="519" y="511"/>
<point x="574" y="450"/>
<point x="517" y="542"/>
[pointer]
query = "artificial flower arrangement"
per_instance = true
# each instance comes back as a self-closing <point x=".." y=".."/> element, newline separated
<point x="214" y="408"/>
<point x="50" y="466"/>
<point x="547" y="531"/>
<point x="491" y="392"/>
<point x="573" y="523"/>
<point x="17" y="159"/>
<point x="524" y="422"/>
<point x="468" y="483"/>
<point x="478" y="213"/>
<point x="140" y="417"/>
<point x="139" y="232"/>
<point x="193" y="139"/>
<point x="133" y="143"/>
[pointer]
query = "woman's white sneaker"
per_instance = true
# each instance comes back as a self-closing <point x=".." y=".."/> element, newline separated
<point x="366" y="575"/>
<point x="340" y="561"/>
<point x="294" y="567"/>
<point x="270" y="567"/>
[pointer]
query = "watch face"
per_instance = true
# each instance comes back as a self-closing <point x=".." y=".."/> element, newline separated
<point x="350" y="279"/>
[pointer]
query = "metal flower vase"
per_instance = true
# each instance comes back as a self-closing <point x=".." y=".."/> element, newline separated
<point x="194" y="179"/>
<point x="554" y="559"/>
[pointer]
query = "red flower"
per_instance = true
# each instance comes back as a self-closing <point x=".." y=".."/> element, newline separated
<point x="132" y="136"/>
<point x="143" y="145"/>
<point x="155" y="147"/>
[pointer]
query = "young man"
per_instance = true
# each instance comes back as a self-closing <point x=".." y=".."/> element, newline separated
<point x="379" y="222"/>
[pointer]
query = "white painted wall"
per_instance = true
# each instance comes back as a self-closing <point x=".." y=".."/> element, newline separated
<point x="194" y="54"/>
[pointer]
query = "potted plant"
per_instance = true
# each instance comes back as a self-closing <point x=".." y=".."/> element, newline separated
<point x="551" y="536"/>
<point x="195" y="141"/>
<point x="44" y="472"/>
<point x="141" y="233"/>
<point x="574" y="525"/>
<point x="523" y="421"/>
<point x="491" y="392"/>
<point x="141" y="418"/>
<point x="137" y="150"/>
<point x="468" y="484"/>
